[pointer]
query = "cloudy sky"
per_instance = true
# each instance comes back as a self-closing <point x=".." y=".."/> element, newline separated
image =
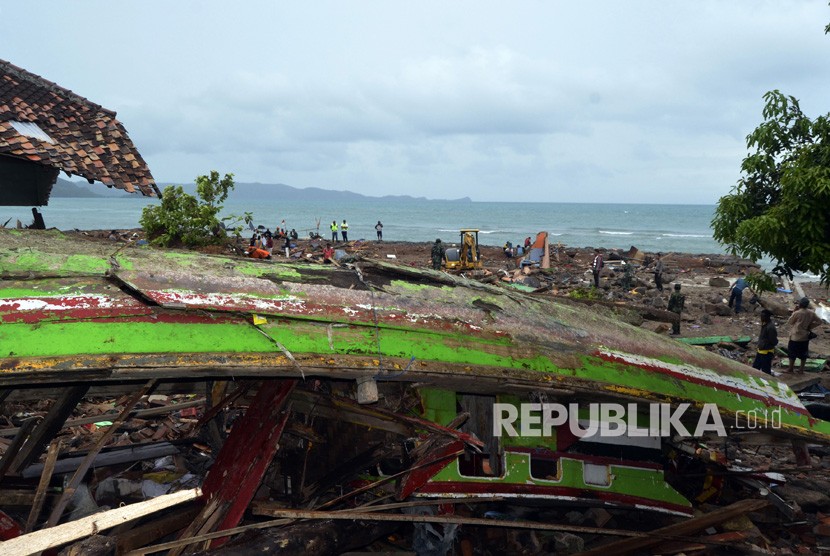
<point x="579" y="101"/>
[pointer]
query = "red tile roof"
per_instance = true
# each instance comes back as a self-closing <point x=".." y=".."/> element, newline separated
<point x="87" y="139"/>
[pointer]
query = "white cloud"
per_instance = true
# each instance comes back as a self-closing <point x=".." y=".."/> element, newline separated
<point x="574" y="101"/>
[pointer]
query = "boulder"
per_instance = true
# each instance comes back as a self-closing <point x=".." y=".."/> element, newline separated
<point x="718" y="282"/>
<point x="634" y="254"/>
<point x="777" y="309"/>
<point x="717" y="309"/>
<point x="530" y="281"/>
<point x="662" y="328"/>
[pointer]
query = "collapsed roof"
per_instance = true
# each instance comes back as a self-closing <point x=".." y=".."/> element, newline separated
<point x="45" y="129"/>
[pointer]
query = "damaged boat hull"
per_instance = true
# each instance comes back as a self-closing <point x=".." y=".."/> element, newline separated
<point x="78" y="311"/>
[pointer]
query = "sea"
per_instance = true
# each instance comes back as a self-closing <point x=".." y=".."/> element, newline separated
<point x="649" y="227"/>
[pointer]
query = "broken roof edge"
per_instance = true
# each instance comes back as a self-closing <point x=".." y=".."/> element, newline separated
<point x="151" y="188"/>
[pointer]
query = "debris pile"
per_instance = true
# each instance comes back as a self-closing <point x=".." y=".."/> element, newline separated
<point x="166" y="401"/>
<point x="327" y="475"/>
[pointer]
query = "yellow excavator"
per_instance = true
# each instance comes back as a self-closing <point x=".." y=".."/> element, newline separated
<point x="465" y="257"/>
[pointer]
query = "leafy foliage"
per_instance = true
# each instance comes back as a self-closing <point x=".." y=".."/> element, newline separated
<point x="591" y="294"/>
<point x="780" y="206"/>
<point x="184" y="220"/>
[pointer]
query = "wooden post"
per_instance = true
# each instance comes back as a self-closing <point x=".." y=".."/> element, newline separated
<point x="233" y="479"/>
<point x="43" y="484"/>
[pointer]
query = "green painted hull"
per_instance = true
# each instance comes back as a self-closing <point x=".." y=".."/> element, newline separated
<point x="78" y="310"/>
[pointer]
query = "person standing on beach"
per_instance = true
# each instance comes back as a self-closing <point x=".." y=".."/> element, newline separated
<point x="737" y="293"/>
<point x="767" y="340"/>
<point x="658" y="272"/>
<point x="801" y="322"/>
<point x="269" y="242"/>
<point x="676" y="303"/>
<point x="334" y="231"/>
<point x="596" y="267"/>
<point x="379" y="230"/>
<point x="437" y="254"/>
<point x="344" y="230"/>
<point x="287" y="247"/>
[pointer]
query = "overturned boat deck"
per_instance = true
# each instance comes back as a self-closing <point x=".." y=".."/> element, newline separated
<point x="74" y="310"/>
<point x="322" y="342"/>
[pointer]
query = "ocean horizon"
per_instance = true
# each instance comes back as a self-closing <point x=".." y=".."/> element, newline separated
<point x="649" y="227"/>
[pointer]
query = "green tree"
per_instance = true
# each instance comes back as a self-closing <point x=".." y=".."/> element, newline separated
<point x="184" y="220"/>
<point x="780" y="206"/>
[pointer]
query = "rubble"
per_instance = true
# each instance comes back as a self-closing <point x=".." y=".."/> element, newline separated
<point x="312" y="462"/>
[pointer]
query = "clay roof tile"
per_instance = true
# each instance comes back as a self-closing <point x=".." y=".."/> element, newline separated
<point x="81" y="131"/>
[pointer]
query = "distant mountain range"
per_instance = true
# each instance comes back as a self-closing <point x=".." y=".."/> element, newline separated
<point x="242" y="191"/>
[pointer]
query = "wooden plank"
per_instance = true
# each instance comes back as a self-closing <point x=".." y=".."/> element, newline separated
<point x="121" y="454"/>
<point x="38" y="541"/>
<point x="313" y="403"/>
<point x="181" y="543"/>
<point x="43" y="484"/>
<point x="233" y="479"/>
<point x="430" y="463"/>
<point x="23" y="433"/>
<point x="49" y="427"/>
<point x="140" y="413"/>
<point x="628" y="546"/>
<point x="476" y="521"/>
<point x="76" y="479"/>
<point x="154" y="530"/>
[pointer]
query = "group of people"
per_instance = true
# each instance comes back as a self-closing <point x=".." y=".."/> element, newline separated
<point x="801" y="322"/>
<point x="517" y="250"/>
<point x="342" y="229"/>
<point x="263" y="241"/>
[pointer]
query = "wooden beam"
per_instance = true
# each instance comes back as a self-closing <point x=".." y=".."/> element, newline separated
<point x="45" y="479"/>
<point x="121" y="454"/>
<point x="627" y="546"/>
<point x="23" y="433"/>
<point x="140" y="413"/>
<point x="49" y="427"/>
<point x="181" y="543"/>
<point x="474" y="521"/>
<point x="76" y="479"/>
<point x="239" y="467"/>
<point x="65" y="533"/>
<point x="155" y="529"/>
